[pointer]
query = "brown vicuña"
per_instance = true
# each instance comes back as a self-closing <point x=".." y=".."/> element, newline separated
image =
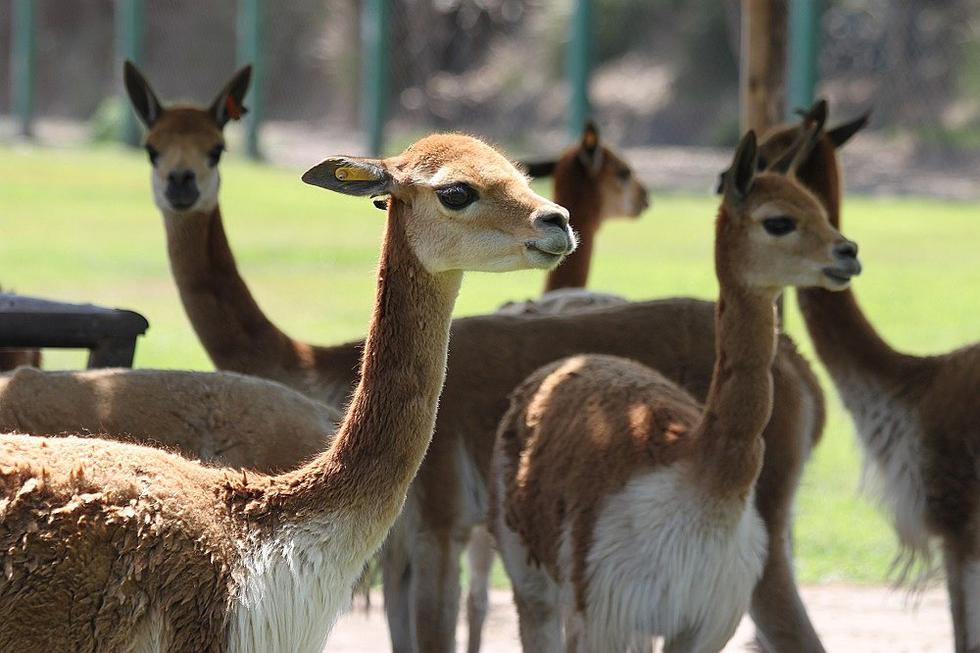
<point x="220" y="417"/>
<point x="917" y="417"/>
<point x="11" y="358"/>
<point x="113" y="546"/>
<point x="490" y="356"/>
<point x="622" y="508"/>
<point x="594" y="183"/>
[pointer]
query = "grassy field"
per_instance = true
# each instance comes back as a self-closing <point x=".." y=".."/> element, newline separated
<point x="80" y="225"/>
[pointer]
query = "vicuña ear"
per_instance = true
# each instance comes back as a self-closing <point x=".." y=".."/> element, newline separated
<point x="843" y="133"/>
<point x="798" y="152"/>
<point x="141" y="95"/>
<point x="351" y="176"/>
<point x="738" y="178"/>
<point x="816" y="113"/>
<point x="590" y="150"/>
<point x="228" y="105"/>
<point x="538" y="169"/>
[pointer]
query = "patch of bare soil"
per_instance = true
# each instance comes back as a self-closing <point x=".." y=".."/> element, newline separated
<point x="848" y="619"/>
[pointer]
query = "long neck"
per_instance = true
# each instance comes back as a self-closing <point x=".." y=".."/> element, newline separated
<point x="383" y="438"/>
<point x="232" y="328"/>
<point x="577" y="192"/>
<point x="739" y="401"/>
<point x="845" y="340"/>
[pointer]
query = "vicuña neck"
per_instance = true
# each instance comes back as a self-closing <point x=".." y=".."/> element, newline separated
<point x="389" y="423"/>
<point x="845" y="340"/>
<point x="576" y="191"/>
<point x="739" y="400"/>
<point x="232" y="328"/>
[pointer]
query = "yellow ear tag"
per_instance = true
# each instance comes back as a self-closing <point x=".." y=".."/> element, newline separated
<point x="350" y="173"/>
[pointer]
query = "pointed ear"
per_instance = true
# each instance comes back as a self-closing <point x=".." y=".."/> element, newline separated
<point x="351" y="176"/>
<point x="798" y="152"/>
<point x="228" y="105"/>
<point x="141" y="95"/>
<point x="738" y="178"/>
<point x="816" y="113"/>
<point x="843" y="133"/>
<point x="590" y="150"/>
<point x="538" y="168"/>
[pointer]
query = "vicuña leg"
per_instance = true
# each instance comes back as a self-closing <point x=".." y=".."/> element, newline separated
<point x="481" y="556"/>
<point x="963" y="585"/>
<point x="435" y="589"/>
<point x="396" y="573"/>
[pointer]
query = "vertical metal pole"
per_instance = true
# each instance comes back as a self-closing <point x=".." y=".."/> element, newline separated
<point x="129" y="45"/>
<point x="579" y="66"/>
<point x="23" y="63"/>
<point x="251" y="35"/>
<point x="374" y="72"/>
<point x="801" y="74"/>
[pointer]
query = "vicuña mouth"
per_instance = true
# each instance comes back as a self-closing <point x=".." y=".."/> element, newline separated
<point x="535" y="246"/>
<point x="838" y="275"/>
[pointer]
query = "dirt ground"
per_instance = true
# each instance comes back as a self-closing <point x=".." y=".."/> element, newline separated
<point x="849" y="620"/>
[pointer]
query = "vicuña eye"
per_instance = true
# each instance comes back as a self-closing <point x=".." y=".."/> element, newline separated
<point x="153" y="154"/>
<point x="779" y="226"/>
<point x="214" y="155"/>
<point x="456" y="196"/>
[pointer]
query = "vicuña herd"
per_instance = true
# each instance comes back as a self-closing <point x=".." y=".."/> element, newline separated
<point x="634" y="463"/>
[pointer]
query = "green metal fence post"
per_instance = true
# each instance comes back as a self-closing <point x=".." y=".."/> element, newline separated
<point x="23" y="63"/>
<point x="251" y="35"/>
<point x="801" y="74"/>
<point x="129" y="45"/>
<point x="579" y="66"/>
<point x="374" y="72"/>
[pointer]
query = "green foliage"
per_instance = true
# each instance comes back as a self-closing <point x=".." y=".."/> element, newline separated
<point x="106" y="123"/>
<point x="81" y="226"/>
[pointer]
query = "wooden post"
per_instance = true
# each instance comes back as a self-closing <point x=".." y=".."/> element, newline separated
<point x="23" y="59"/>
<point x="129" y="45"/>
<point x="578" y="66"/>
<point x="251" y="34"/>
<point x="763" y="63"/>
<point x="762" y="70"/>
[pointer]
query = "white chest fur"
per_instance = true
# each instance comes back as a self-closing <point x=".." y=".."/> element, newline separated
<point x="665" y="561"/>
<point x="890" y="435"/>
<point x="292" y="589"/>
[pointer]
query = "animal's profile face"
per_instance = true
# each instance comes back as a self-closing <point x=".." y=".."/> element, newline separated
<point x="470" y="208"/>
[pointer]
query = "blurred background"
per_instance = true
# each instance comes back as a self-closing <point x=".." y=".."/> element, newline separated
<point x="660" y="77"/>
<point x="375" y="75"/>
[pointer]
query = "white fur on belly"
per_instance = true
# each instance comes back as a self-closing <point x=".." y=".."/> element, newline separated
<point x="665" y="561"/>
<point x="292" y="589"/>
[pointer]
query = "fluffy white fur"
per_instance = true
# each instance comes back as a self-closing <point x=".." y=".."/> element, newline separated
<point x="666" y="561"/>
<point x="292" y="589"/>
<point x="887" y="430"/>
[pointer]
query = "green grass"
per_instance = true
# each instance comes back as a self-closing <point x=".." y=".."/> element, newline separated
<point x="80" y="225"/>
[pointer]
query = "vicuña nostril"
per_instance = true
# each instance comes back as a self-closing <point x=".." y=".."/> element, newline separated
<point x="846" y="249"/>
<point x="181" y="177"/>
<point x="555" y="218"/>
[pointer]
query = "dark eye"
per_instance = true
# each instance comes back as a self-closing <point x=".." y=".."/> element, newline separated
<point x="779" y="226"/>
<point x="623" y="174"/>
<point x="153" y="154"/>
<point x="456" y="196"/>
<point x="214" y="155"/>
<point x="761" y="163"/>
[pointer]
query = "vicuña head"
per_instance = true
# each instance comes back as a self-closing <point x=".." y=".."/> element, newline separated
<point x="185" y="143"/>
<point x="772" y="231"/>
<point x="470" y="208"/>
<point x="186" y="557"/>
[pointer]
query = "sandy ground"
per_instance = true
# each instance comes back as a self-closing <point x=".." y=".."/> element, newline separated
<point x="849" y="619"/>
